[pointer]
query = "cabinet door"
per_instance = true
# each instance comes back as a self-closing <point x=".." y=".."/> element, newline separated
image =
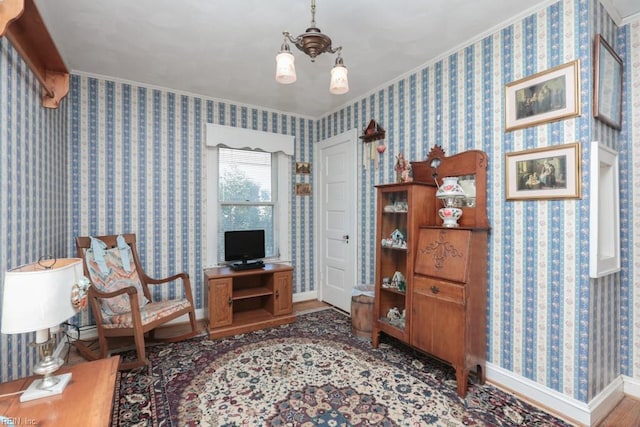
<point x="283" y="293"/>
<point x="220" y="302"/>
<point x="439" y="319"/>
<point x="443" y="253"/>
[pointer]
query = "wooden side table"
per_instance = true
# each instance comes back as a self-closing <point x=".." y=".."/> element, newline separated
<point x="88" y="397"/>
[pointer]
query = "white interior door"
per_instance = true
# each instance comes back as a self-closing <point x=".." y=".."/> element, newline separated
<point x="337" y="200"/>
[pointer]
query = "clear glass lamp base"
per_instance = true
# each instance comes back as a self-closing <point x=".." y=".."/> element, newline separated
<point x="50" y="384"/>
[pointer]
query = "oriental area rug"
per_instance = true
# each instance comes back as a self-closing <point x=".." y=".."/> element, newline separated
<point x="308" y="373"/>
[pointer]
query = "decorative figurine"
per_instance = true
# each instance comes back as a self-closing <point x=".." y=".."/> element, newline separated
<point x="398" y="281"/>
<point x="394" y="314"/>
<point x="403" y="169"/>
<point x="398" y="240"/>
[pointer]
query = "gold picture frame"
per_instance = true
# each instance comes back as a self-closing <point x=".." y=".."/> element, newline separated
<point x="303" y="189"/>
<point x="607" y="84"/>
<point x="550" y="95"/>
<point x="303" y="168"/>
<point x="544" y="173"/>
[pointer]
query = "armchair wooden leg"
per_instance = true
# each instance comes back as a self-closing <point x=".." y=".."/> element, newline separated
<point x="85" y="350"/>
<point x="138" y="336"/>
<point x="192" y="320"/>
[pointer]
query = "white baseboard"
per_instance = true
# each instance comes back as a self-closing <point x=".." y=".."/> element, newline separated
<point x="573" y="410"/>
<point x="631" y="386"/>
<point x="305" y="296"/>
<point x="604" y="402"/>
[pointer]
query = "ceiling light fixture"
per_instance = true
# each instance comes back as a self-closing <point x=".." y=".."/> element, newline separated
<point x="312" y="43"/>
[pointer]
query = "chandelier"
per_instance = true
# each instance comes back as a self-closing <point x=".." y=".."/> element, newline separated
<point x="312" y="43"/>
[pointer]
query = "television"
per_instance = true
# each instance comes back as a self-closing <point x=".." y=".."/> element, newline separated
<point x="244" y="248"/>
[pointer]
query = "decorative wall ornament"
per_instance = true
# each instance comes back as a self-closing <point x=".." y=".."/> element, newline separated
<point x="373" y="137"/>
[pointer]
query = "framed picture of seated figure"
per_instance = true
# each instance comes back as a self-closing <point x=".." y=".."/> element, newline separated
<point x="543" y="97"/>
<point x="543" y="173"/>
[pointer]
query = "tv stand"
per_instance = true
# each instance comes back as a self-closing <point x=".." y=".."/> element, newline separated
<point x="241" y="301"/>
<point x="246" y="265"/>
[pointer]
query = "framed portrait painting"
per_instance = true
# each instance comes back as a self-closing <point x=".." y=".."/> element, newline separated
<point x="607" y="84"/>
<point x="544" y="97"/>
<point x="543" y="173"/>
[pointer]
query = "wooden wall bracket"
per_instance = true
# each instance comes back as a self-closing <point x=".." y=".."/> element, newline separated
<point x="372" y="132"/>
<point x="21" y="22"/>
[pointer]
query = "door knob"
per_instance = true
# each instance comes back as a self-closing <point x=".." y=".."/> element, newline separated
<point x="346" y="237"/>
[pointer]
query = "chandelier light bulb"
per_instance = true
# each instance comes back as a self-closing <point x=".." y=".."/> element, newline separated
<point x="285" y="66"/>
<point x="339" y="82"/>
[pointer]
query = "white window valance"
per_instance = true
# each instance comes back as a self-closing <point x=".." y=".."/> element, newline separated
<point x="234" y="137"/>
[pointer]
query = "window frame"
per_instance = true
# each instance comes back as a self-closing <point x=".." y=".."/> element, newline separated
<point x="273" y="203"/>
<point x="282" y="208"/>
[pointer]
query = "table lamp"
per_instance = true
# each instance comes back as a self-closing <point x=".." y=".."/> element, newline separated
<point x="37" y="297"/>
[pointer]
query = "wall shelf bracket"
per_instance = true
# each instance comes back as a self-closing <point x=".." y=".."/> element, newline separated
<point x="22" y="24"/>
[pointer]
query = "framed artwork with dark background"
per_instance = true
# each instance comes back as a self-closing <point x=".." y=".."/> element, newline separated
<point x="607" y="84"/>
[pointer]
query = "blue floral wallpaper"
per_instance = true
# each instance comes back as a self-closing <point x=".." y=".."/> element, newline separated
<point x="139" y="154"/>
<point x="33" y="187"/>
<point x="548" y="321"/>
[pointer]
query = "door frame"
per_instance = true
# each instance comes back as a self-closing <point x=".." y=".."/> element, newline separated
<point x="354" y="242"/>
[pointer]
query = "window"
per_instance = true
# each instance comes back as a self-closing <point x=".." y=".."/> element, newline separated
<point x="249" y="183"/>
<point x="247" y="195"/>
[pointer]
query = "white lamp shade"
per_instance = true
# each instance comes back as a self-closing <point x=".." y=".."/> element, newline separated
<point x="339" y="81"/>
<point x="285" y="68"/>
<point x="37" y="298"/>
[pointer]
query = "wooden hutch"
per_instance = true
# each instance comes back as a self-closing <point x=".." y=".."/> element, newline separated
<point x="440" y="308"/>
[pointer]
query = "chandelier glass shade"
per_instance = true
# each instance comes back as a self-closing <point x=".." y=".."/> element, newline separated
<point x="339" y="82"/>
<point x="313" y="43"/>
<point x="285" y="66"/>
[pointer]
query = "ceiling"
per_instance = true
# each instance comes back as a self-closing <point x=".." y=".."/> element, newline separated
<point x="226" y="49"/>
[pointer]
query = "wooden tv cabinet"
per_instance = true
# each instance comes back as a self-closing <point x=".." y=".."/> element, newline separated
<point x="247" y="300"/>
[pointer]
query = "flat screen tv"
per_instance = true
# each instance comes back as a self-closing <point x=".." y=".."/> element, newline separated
<point x="244" y="248"/>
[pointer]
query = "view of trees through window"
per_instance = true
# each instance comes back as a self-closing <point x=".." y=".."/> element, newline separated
<point x="246" y="191"/>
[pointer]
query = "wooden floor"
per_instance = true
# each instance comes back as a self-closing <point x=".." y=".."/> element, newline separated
<point x="626" y="414"/>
